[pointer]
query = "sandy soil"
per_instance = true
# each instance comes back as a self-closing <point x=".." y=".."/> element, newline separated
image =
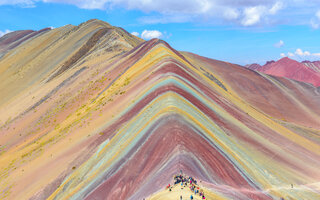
<point x="185" y="192"/>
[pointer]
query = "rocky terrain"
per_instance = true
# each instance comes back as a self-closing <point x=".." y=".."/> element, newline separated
<point x="93" y="112"/>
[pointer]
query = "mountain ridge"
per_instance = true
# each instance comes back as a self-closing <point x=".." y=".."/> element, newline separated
<point x="306" y="71"/>
<point x="122" y="120"/>
<point x="56" y="39"/>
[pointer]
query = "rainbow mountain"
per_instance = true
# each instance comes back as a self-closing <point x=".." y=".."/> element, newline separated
<point x="93" y="112"/>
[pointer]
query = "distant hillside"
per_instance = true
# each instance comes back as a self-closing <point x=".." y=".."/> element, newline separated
<point x="306" y="71"/>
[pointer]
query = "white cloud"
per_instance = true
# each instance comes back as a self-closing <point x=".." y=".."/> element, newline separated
<point x="279" y="44"/>
<point x="149" y="34"/>
<point x="252" y="15"/>
<point x="85" y="4"/>
<point x="315" y="21"/>
<point x="135" y="34"/>
<point x="2" y="33"/>
<point x="231" y="13"/>
<point x="22" y="3"/>
<point x="318" y="14"/>
<point x="242" y="12"/>
<point x="314" y="24"/>
<point x="300" y="54"/>
<point x="291" y="54"/>
<point x="276" y="7"/>
<point x="159" y="19"/>
<point x="316" y="54"/>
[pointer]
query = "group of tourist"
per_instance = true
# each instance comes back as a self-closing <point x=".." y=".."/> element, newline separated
<point x="195" y="188"/>
<point x="188" y="181"/>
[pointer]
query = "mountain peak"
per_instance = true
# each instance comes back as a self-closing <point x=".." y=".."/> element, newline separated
<point x="305" y="71"/>
<point x="286" y="59"/>
<point x="96" y="22"/>
<point x="270" y="62"/>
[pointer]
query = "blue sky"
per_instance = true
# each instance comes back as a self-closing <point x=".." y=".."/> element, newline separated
<point x="237" y="31"/>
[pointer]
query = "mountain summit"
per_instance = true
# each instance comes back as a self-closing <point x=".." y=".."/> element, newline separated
<point x="306" y="71"/>
<point x="93" y="112"/>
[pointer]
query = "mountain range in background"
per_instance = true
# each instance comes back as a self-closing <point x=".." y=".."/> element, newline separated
<point x="93" y="112"/>
<point x="306" y="71"/>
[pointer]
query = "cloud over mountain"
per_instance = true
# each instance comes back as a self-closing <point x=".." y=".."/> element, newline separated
<point x="150" y="34"/>
<point x="300" y="54"/>
<point x="242" y="13"/>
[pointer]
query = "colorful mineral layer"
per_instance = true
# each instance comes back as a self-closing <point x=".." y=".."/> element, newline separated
<point x="93" y="112"/>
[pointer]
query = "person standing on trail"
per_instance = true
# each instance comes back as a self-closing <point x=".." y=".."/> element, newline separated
<point x="180" y="197"/>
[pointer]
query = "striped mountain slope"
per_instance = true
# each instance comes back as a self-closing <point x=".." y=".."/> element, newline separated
<point x="92" y="112"/>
